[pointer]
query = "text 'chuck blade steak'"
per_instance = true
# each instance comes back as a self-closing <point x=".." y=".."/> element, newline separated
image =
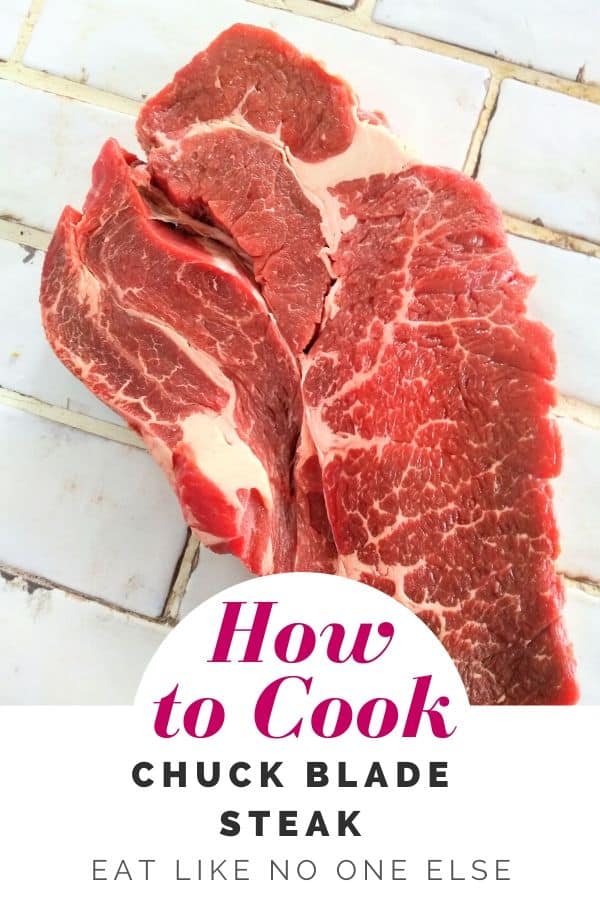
<point x="416" y="453"/>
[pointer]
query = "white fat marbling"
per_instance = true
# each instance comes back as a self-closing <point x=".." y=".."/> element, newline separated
<point x="92" y="515"/>
<point x="431" y="101"/>
<point x="540" y="158"/>
<point x="12" y="15"/>
<point x="577" y="501"/>
<point x="566" y="298"/>
<point x="374" y="150"/>
<point x="560" y="36"/>
<point x="46" y="162"/>
<point x="214" y="573"/>
<point x="223" y="458"/>
<point x="55" y="648"/>
<point x="27" y="364"/>
<point x="582" y="618"/>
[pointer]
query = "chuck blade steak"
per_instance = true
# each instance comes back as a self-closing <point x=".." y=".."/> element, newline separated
<point x="168" y="330"/>
<point x="422" y="440"/>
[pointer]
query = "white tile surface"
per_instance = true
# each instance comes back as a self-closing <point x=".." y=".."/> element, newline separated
<point x="214" y="573"/>
<point x="12" y="14"/>
<point x="86" y="513"/>
<point x="582" y="618"/>
<point x="433" y="102"/>
<point x="530" y="32"/>
<point x="566" y="298"/>
<point x="57" y="649"/>
<point x="27" y="364"/>
<point x="52" y="142"/>
<point x="540" y="158"/>
<point x="577" y="493"/>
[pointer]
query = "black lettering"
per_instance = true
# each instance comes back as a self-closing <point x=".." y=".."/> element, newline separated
<point x="122" y="869"/>
<point x="316" y="774"/>
<point x="233" y="774"/>
<point x="268" y="774"/>
<point x="229" y="823"/>
<point x="346" y="823"/>
<point x="97" y="871"/>
<point x="136" y="774"/>
<point x="259" y="816"/>
<point x="410" y="780"/>
<point x="287" y="823"/>
<point x="216" y="870"/>
<point x="178" y="875"/>
<point x="376" y="776"/>
<point x="479" y="871"/>
<point x="398" y="870"/>
<point x="502" y="869"/>
<point x="433" y="869"/>
<point x="203" y="779"/>
<point x="343" y="779"/>
<point x="438" y="774"/>
<point x="317" y="825"/>
<point x="174" y="773"/>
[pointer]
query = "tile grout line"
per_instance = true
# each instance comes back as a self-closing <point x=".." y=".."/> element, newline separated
<point x="35" y="582"/>
<point x="572" y="408"/>
<point x="363" y="11"/>
<point x="36" y="79"/>
<point x="543" y="234"/>
<point x="25" y="235"/>
<point x="490" y="103"/>
<point x="358" y="20"/>
<point x="591" y="588"/>
<point x="120" y="434"/>
<point x="26" y="30"/>
<point x="181" y="576"/>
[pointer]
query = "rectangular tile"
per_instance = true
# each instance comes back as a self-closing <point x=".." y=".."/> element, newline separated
<point x="565" y="298"/>
<point x="433" y="102"/>
<point x="531" y="32"/>
<point x="582" y="618"/>
<point x="27" y="364"/>
<point x="12" y="15"/>
<point x="57" y="649"/>
<point x="213" y="573"/>
<point x="577" y="493"/>
<point x="540" y="158"/>
<point x="47" y="161"/>
<point x="92" y="515"/>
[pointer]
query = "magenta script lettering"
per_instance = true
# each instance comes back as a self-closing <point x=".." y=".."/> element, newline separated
<point x="294" y="704"/>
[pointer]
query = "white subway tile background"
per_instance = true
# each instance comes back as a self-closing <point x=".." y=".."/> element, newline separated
<point x="27" y="364"/>
<point x="532" y="32"/>
<point x="12" y="14"/>
<point x="90" y="517"/>
<point x="540" y="158"/>
<point x="53" y="142"/>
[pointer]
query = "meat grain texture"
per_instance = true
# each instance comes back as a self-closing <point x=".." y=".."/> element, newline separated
<point x="324" y="343"/>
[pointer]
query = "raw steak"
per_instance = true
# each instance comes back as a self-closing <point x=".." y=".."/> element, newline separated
<point x="425" y="447"/>
<point x="427" y="390"/>
<point x="169" y="331"/>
